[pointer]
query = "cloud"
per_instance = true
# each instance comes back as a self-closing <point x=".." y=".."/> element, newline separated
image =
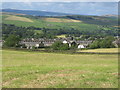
<point x="61" y="5"/>
<point x="26" y="1"/>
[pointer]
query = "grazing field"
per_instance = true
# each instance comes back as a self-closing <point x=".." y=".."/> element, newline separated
<point x="104" y="50"/>
<point x="10" y="17"/>
<point x="51" y="23"/>
<point x="60" y="20"/>
<point x="49" y="70"/>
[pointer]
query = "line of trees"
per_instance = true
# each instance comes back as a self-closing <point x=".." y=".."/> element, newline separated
<point x="103" y="43"/>
<point x="30" y="32"/>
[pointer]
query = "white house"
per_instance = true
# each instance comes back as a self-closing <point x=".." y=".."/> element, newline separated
<point x="81" y="46"/>
<point x="37" y="45"/>
<point x="65" y="42"/>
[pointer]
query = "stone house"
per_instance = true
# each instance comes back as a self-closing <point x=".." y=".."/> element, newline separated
<point x="1" y="43"/>
<point x="29" y="43"/>
<point x="116" y="42"/>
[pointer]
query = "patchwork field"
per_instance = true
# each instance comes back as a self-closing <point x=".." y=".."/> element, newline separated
<point x="52" y="23"/>
<point x="49" y="70"/>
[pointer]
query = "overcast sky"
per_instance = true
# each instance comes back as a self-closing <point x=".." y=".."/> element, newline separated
<point x="83" y="8"/>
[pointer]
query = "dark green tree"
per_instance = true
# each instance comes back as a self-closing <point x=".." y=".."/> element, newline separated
<point x="103" y="43"/>
<point x="73" y="45"/>
<point x="95" y="44"/>
<point x="60" y="46"/>
<point x="107" y="42"/>
<point x="12" y="41"/>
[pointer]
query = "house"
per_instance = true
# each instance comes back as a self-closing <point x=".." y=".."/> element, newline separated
<point x="29" y="43"/>
<point x="65" y="42"/>
<point x="81" y="46"/>
<point x="1" y="43"/>
<point x="69" y="42"/>
<point x="116" y="42"/>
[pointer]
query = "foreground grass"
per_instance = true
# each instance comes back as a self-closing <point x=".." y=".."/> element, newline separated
<point x="50" y="70"/>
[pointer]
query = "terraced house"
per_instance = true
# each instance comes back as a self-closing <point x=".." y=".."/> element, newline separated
<point x="41" y="42"/>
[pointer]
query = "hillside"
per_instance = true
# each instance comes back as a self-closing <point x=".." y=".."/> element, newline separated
<point x="59" y="25"/>
<point x="48" y="22"/>
<point x="17" y="18"/>
<point x="34" y="13"/>
<point x="98" y="20"/>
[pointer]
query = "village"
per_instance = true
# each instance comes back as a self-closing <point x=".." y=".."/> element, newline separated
<point x="32" y="42"/>
<point x="29" y="43"/>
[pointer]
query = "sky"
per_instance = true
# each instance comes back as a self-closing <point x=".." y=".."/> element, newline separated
<point x="81" y="8"/>
<point x="60" y="0"/>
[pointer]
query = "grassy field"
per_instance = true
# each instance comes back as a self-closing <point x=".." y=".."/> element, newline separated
<point x="104" y="50"/>
<point x="16" y="18"/>
<point x="60" y="20"/>
<point x="49" y="70"/>
<point x="52" y="23"/>
<point x="61" y="36"/>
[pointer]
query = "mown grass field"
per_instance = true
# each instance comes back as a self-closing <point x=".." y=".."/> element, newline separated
<point x="61" y="36"/>
<point x="103" y="50"/>
<point x="18" y="18"/>
<point x="49" y="70"/>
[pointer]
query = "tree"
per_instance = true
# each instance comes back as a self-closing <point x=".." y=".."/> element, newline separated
<point x="56" y="45"/>
<point x="95" y="45"/>
<point x="12" y="41"/>
<point x="60" y="46"/>
<point x="73" y="45"/>
<point x="103" y="43"/>
<point x="107" y="42"/>
<point x="64" y="47"/>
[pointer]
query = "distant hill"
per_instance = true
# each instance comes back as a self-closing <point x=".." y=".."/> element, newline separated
<point x="89" y="19"/>
<point x="59" y="25"/>
<point x="34" y="13"/>
<point x="97" y="20"/>
<point x="110" y="15"/>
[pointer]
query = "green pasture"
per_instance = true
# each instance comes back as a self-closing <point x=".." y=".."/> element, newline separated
<point x="23" y="69"/>
<point x="52" y="25"/>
